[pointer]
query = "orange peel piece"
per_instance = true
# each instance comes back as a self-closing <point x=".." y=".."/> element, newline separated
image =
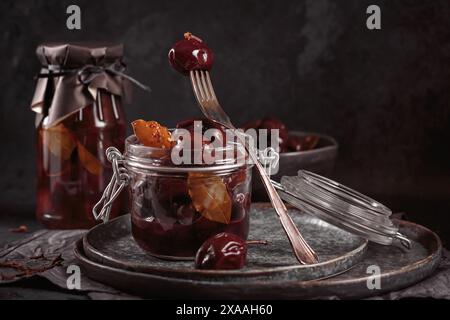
<point x="89" y="161"/>
<point x="59" y="141"/>
<point x="152" y="134"/>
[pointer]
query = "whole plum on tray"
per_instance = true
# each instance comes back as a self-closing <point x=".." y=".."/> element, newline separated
<point x="223" y="251"/>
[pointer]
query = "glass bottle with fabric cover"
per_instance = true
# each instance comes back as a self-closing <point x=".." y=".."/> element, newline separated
<point x="79" y="114"/>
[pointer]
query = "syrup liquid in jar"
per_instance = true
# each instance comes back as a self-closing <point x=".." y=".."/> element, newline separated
<point x="72" y="170"/>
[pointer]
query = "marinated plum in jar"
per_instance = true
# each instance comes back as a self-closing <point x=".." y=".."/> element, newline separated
<point x="174" y="209"/>
<point x="172" y="216"/>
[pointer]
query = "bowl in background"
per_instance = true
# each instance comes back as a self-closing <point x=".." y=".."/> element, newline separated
<point x="320" y="160"/>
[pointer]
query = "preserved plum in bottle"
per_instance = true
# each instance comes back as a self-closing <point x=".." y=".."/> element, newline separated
<point x="72" y="170"/>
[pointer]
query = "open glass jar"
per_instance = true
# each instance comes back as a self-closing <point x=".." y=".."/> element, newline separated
<point x="175" y="208"/>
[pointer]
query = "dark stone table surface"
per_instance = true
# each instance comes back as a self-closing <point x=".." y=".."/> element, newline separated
<point x="36" y="287"/>
<point x="39" y="287"/>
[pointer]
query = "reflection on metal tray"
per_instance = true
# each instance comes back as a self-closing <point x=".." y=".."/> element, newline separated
<point x="399" y="268"/>
<point x="112" y="244"/>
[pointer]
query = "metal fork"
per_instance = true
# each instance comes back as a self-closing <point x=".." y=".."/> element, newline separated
<point x="204" y="93"/>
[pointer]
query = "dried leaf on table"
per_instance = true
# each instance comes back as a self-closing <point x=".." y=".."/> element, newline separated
<point x="89" y="161"/>
<point x="26" y="267"/>
<point x="20" y="229"/>
<point x="59" y="141"/>
<point x="210" y="197"/>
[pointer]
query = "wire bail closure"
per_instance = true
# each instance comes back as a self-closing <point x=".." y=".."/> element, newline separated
<point x="119" y="180"/>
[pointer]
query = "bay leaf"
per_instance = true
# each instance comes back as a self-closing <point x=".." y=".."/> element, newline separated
<point x="210" y="196"/>
<point x="89" y="161"/>
<point x="59" y="141"/>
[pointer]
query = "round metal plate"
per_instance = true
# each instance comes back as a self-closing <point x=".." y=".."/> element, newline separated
<point x="111" y="244"/>
<point x="399" y="269"/>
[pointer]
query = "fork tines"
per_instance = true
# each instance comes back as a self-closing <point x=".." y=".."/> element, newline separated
<point x="203" y="88"/>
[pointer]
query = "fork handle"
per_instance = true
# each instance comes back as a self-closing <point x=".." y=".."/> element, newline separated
<point x="303" y="252"/>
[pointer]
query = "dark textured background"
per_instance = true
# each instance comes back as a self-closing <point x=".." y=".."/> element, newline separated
<point x="383" y="94"/>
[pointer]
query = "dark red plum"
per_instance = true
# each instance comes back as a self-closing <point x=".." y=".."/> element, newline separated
<point x="190" y="54"/>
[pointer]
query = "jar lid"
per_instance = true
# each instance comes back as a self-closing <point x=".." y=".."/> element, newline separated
<point x="71" y="76"/>
<point x="340" y="206"/>
<point x="76" y="55"/>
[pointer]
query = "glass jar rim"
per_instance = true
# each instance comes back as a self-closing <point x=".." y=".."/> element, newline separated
<point x="138" y="156"/>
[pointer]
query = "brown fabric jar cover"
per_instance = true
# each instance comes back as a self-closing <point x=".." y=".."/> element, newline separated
<point x="70" y="76"/>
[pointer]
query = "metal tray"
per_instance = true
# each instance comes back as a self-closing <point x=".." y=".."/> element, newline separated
<point x="399" y="269"/>
<point x="111" y="244"/>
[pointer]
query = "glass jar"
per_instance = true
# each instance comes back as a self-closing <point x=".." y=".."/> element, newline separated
<point x="72" y="170"/>
<point x="175" y="208"/>
<point x="79" y="114"/>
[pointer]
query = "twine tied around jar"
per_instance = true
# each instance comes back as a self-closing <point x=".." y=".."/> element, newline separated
<point x="88" y="73"/>
<point x="71" y="76"/>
